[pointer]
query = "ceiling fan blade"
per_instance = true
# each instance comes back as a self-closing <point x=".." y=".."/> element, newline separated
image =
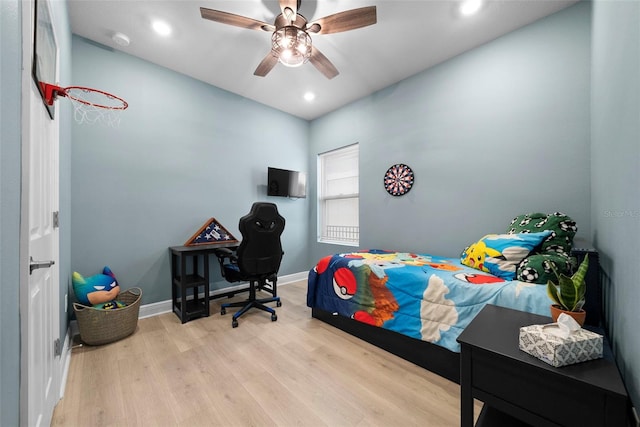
<point x="322" y="63"/>
<point x="266" y="65"/>
<point x="344" y="21"/>
<point x="289" y="9"/>
<point x="236" y="20"/>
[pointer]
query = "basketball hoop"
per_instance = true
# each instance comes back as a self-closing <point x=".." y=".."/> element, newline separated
<point x="89" y="105"/>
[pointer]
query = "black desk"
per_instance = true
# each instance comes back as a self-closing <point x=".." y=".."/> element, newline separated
<point x="183" y="280"/>
<point x="494" y="370"/>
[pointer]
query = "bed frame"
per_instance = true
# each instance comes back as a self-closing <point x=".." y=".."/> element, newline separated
<point x="440" y="360"/>
<point x="434" y="358"/>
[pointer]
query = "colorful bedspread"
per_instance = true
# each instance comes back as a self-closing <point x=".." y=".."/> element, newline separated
<point x="423" y="296"/>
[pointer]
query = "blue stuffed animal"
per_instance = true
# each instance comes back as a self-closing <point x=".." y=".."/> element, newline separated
<point x="100" y="290"/>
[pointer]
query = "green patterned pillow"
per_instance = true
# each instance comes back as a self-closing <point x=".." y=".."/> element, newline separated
<point x="562" y="227"/>
<point x="555" y="249"/>
<point x="536" y="268"/>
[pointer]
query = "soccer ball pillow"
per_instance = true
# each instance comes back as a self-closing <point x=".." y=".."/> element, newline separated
<point x="555" y="250"/>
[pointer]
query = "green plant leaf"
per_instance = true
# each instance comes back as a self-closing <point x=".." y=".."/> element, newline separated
<point x="579" y="283"/>
<point x="570" y="291"/>
<point x="552" y="291"/>
<point x="579" y="275"/>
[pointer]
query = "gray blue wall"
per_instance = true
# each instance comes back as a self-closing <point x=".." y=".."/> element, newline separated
<point x="615" y="174"/>
<point x="10" y="130"/>
<point x="498" y="131"/>
<point x="185" y="151"/>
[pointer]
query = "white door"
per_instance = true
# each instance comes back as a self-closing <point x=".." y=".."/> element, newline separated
<point x="40" y="288"/>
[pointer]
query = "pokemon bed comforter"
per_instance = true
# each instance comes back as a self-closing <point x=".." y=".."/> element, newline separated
<point x="419" y="295"/>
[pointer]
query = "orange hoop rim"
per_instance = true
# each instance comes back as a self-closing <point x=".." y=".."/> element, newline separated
<point x="51" y="91"/>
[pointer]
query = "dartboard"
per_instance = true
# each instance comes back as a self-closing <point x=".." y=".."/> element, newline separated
<point x="398" y="180"/>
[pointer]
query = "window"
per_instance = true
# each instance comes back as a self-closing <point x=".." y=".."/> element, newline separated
<point x="338" y="196"/>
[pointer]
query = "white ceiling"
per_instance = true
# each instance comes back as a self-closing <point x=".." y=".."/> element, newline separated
<point x="410" y="36"/>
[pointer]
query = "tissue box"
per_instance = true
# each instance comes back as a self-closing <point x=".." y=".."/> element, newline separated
<point x="543" y="342"/>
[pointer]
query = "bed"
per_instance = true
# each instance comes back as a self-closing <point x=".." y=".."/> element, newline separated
<point x="415" y="305"/>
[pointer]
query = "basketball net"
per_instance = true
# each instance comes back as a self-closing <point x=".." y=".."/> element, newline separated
<point x="89" y="105"/>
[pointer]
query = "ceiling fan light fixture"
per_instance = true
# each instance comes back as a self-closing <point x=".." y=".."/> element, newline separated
<point x="290" y="41"/>
<point x="291" y="45"/>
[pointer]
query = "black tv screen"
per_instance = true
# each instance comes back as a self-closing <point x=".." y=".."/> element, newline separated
<point x="286" y="183"/>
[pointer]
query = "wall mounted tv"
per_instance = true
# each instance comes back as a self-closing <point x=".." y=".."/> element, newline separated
<point x="286" y="183"/>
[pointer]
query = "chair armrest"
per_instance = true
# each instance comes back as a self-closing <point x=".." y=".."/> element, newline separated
<point x="224" y="253"/>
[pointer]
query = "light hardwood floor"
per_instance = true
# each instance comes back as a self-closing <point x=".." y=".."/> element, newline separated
<point x="295" y="371"/>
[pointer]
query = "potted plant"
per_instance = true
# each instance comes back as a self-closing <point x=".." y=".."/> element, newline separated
<point x="568" y="294"/>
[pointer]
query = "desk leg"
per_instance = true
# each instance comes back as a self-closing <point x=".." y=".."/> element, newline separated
<point x="206" y="284"/>
<point x="466" y="397"/>
<point x="183" y="289"/>
<point x="174" y="275"/>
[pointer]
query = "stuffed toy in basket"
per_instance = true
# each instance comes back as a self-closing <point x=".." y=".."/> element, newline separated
<point x="104" y="313"/>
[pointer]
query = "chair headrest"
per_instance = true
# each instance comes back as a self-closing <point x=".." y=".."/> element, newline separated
<point x="263" y="216"/>
<point x="265" y="210"/>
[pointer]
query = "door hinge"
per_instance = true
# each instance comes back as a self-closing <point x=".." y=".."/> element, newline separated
<point x="57" y="347"/>
<point x="56" y="219"/>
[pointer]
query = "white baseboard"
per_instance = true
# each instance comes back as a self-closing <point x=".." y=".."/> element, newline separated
<point x="154" y="309"/>
<point x="65" y="361"/>
<point x="161" y="307"/>
<point x="295" y="277"/>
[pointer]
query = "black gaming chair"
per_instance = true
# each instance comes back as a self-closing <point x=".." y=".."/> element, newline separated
<point x="256" y="260"/>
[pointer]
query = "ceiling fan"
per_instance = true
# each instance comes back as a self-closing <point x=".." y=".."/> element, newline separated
<point x="290" y="42"/>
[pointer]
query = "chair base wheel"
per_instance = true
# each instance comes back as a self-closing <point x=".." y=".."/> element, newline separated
<point x="248" y="304"/>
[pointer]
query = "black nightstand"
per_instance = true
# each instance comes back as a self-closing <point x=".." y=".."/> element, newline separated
<point x="515" y="384"/>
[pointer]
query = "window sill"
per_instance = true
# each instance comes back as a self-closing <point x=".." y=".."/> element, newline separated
<point x="339" y="242"/>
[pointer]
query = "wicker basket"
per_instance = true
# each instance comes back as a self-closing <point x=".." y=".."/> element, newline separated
<point x="98" y="326"/>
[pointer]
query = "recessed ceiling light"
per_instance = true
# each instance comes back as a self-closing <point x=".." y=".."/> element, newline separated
<point x="161" y="28"/>
<point x="309" y="96"/>
<point x="470" y="7"/>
